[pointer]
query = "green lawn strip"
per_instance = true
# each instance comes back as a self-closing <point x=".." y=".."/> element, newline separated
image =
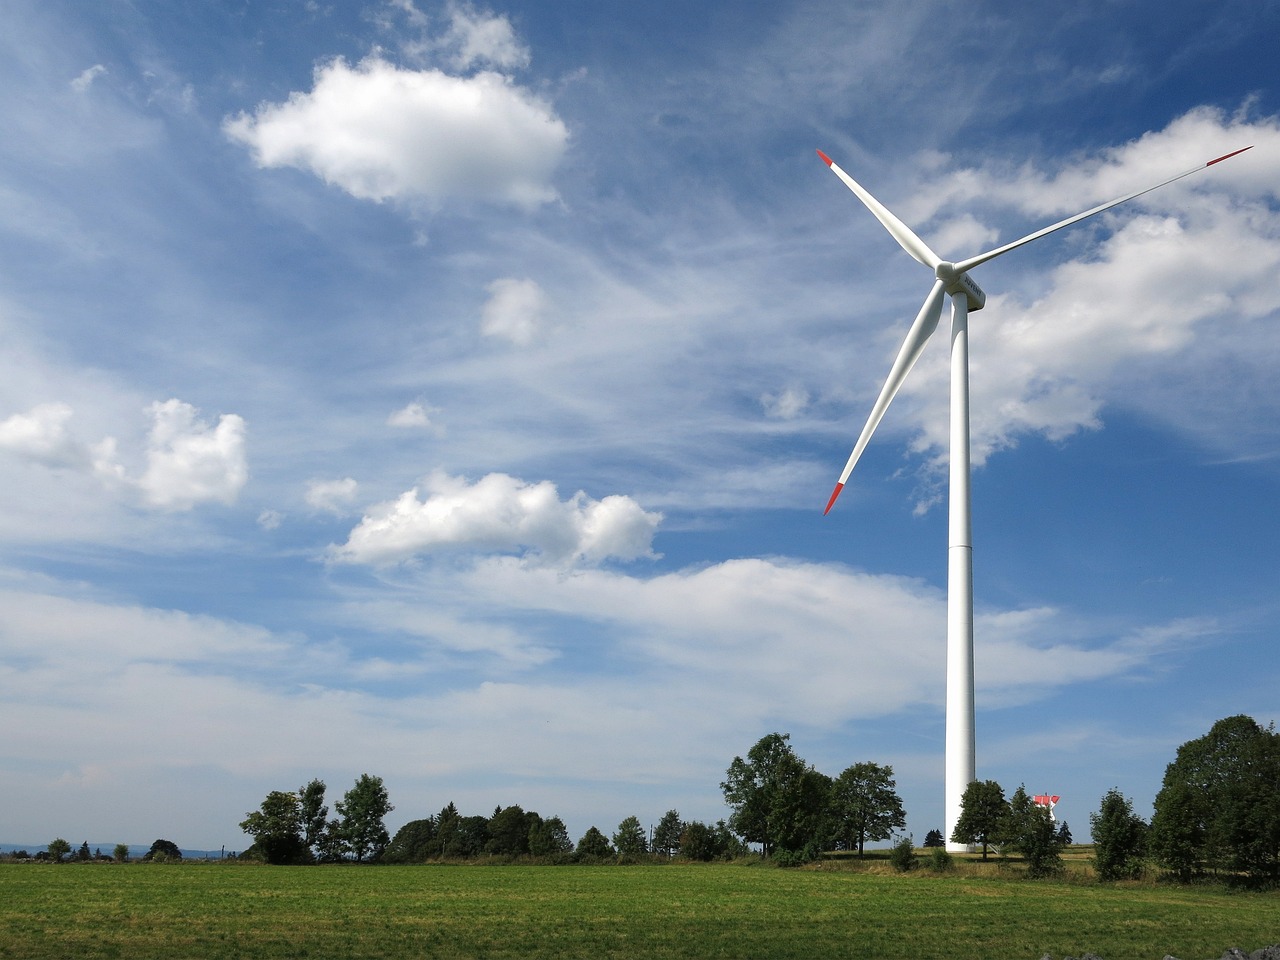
<point x="143" y="911"/>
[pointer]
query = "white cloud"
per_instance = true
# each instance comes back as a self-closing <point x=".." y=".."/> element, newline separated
<point x="799" y="632"/>
<point x="476" y="37"/>
<point x="40" y="435"/>
<point x="332" y="496"/>
<point x="270" y="519"/>
<point x="787" y="405"/>
<point x="501" y="513"/>
<point x="413" y="416"/>
<point x="83" y="82"/>
<point x="381" y="132"/>
<point x="189" y="462"/>
<point x="513" y="311"/>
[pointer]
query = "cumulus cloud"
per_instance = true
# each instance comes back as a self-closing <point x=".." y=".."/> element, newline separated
<point x="503" y="514"/>
<point x="382" y="132"/>
<point x="331" y="496"/>
<point x="40" y="435"/>
<point x="187" y="460"/>
<point x="513" y="311"/>
<point x="410" y="417"/>
<point x="190" y="462"/>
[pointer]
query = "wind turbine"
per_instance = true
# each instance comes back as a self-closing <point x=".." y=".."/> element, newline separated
<point x="953" y="280"/>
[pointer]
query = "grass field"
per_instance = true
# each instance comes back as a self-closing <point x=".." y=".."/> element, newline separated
<point x="225" y="910"/>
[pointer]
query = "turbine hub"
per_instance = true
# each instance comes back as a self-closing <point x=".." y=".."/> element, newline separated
<point x="957" y="282"/>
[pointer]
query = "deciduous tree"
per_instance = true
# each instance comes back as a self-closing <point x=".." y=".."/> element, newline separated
<point x="1119" y="838"/>
<point x="866" y="805"/>
<point x="313" y="812"/>
<point x="594" y="845"/>
<point x="1219" y="805"/>
<point x="983" y="810"/>
<point x="549" y="838"/>
<point x="276" y="828"/>
<point x="1028" y="829"/>
<point x="362" y="809"/>
<point x="412" y="842"/>
<point x="778" y="801"/>
<point x="509" y="831"/>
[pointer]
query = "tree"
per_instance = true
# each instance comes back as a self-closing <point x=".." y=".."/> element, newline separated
<point x="666" y="835"/>
<point x="162" y="851"/>
<point x="594" y="845"/>
<point x="934" y="838"/>
<point x="83" y="854"/>
<point x="866" y="806"/>
<point x="549" y="838"/>
<point x="58" y="849"/>
<point x="630" y="840"/>
<point x="362" y="809"/>
<point x="412" y="842"/>
<point x="276" y="828"/>
<point x="121" y="853"/>
<point x="698" y="842"/>
<point x="1028" y="829"/>
<point x="1219" y="805"/>
<point x="983" y="810"/>
<point x="313" y="812"/>
<point x="509" y="831"/>
<point x="1064" y="835"/>
<point x="778" y="801"/>
<point x="1119" y="838"/>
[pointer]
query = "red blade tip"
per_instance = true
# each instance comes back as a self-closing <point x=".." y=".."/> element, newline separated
<point x="827" y="160"/>
<point x="834" y="493"/>
<point x="1228" y="156"/>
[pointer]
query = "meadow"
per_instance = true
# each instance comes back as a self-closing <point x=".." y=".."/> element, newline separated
<point x="681" y="910"/>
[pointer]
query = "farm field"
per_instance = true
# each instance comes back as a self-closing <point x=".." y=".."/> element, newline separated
<point x="234" y="910"/>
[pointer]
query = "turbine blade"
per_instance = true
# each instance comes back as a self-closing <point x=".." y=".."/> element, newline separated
<point x="925" y="323"/>
<point x="901" y="232"/>
<point x="972" y="262"/>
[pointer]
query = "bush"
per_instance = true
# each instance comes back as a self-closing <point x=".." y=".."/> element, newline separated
<point x="790" y="858"/>
<point x="903" y="856"/>
<point x="940" y="861"/>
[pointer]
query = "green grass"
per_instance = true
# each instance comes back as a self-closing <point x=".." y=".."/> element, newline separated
<point x="220" y="910"/>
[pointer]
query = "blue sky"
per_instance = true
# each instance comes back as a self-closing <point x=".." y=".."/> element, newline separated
<point x="451" y="392"/>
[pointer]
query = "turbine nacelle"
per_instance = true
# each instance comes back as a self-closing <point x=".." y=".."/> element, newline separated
<point x="959" y="281"/>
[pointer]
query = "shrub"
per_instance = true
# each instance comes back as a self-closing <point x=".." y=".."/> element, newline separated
<point x="940" y="861"/>
<point x="903" y="856"/>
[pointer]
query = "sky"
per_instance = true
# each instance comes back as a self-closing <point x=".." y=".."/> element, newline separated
<point x="450" y="392"/>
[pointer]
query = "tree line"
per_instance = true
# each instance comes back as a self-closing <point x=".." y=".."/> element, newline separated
<point x="1217" y="813"/>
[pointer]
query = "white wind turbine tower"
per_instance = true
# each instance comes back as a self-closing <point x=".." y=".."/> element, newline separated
<point x="966" y="296"/>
